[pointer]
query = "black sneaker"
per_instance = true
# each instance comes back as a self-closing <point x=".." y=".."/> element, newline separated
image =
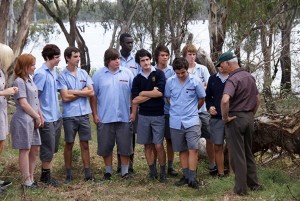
<point x="106" y="176"/>
<point x="162" y="178"/>
<point x="69" y="179"/>
<point x="181" y="182"/>
<point x="4" y="184"/>
<point x="172" y="172"/>
<point x="152" y="176"/>
<point x="213" y="171"/>
<point x="91" y="178"/>
<point x="32" y="186"/>
<point x="194" y="184"/>
<point x="221" y="176"/>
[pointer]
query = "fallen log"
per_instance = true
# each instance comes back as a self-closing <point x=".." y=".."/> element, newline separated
<point x="277" y="133"/>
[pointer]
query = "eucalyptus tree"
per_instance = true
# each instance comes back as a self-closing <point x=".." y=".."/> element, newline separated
<point x="69" y="9"/>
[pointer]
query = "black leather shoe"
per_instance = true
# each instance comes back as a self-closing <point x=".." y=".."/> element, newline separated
<point x="194" y="184"/>
<point x="172" y="172"/>
<point x="181" y="182"/>
<point x="256" y="188"/>
<point x="106" y="176"/>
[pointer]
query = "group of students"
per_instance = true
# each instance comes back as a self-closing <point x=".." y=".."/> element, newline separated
<point x="127" y="95"/>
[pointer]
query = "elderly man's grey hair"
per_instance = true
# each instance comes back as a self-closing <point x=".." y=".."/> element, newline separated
<point x="233" y="60"/>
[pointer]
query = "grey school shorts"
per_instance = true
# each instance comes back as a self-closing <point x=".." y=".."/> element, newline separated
<point x="205" y="127"/>
<point x="80" y="124"/>
<point x="50" y="136"/>
<point x="217" y="129"/>
<point x="151" y="129"/>
<point x="185" y="138"/>
<point x="167" y="127"/>
<point x="109" y="134"/>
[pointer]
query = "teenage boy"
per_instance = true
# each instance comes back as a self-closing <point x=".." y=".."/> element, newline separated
<point x="185" y="93"/>
<point x="127" y="60"/>
<point x="50" y="130"/>
<point x="214" y="93"/>
<point x="147" y="92"/>
<point x="161" y="57"/>
<point x="189" y="52"/>
<point x="75" y="87"/>
<point x="112" y="86"/>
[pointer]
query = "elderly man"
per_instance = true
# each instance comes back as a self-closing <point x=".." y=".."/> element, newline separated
<point x="239" y="104"/>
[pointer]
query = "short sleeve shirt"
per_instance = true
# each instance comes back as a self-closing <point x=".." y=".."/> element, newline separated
<point x="81" y="105"/>
<point x="130" y="64"/>
<point x="184" y="101"/>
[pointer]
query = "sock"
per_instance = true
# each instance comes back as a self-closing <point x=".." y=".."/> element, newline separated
<point x="28" y="183"/>
<point x="170" y="164"/>
<point x="163" y="170"/>
<point x="108" y="169"/>
<point x="185" y="172"/>
<point x="69" y="172"/>
<point x="45" y="170"/>
<point x="212" y="166"/>
<point x="87" y="172"/>
<point x="153" y="170"/>
<point x="192" y="175"/>
<point x="124" y="169"/>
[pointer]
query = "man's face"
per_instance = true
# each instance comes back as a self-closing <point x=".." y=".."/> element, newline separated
<point x="127" y="44"/>
<point x="225" y="66"/>
<point x="163" y="58"/>
<point x="54" y="61"/>
<point x="182" y="74"/>
<point x="74" y="59"/>
<point x="145" y="63"/>
<point x="114" y="64"/>
<point x="191" y="57"/>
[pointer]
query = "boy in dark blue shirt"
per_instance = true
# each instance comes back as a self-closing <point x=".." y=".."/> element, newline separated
<point x="147" y="93"/>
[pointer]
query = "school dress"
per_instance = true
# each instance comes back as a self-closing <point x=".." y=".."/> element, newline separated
<point x="23" y="133"/>
<point x="3" y="109"/>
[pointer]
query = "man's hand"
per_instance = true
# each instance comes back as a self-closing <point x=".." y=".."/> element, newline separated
<point x="132" y="117"/>
<point x="96" y="119"/>
<point x="228" y="119"/>
<point x="212" y="111"/>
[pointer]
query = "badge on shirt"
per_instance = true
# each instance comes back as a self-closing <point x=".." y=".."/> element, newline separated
<point x="153" y="79"/>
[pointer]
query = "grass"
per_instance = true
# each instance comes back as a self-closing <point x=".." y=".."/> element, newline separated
<point x="280" y="179"/>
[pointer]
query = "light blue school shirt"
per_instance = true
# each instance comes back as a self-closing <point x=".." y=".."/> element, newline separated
<point x="130" y="64"/>
<point x="81" y="105"/>
<point x="201" y="72"/>
<point x="113" y="92"/>
<point x="46" y="83"/>
<point x="184" y="101"/>
<point x="169" y="72"/>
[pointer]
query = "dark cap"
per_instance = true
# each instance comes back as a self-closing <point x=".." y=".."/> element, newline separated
<point x="226" y="56"/>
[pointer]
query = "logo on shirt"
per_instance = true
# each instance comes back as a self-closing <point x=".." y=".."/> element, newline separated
<point x="190" y="89"/>
<point x="123" y="80"/>
<point x="153" y="79"/>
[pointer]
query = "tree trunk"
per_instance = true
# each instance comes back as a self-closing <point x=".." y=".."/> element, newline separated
<point x="217" y="19"/>
<point x="204" y="59"/>
<point x="285" y="57"/>
<point x="266" y="46"/>
<point x="21" y="35"/>
<point x="4" y="10"/>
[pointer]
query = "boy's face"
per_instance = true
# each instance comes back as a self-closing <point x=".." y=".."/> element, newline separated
<point x="114" y="64"/>
<point x="54" y="61"/>
<point x="127" y="44"/>
<point x="163" y="58"/>
<point x="191" y="57"/>
<point x="145" y="63"/>
<point x="74" y="59"/>
<point x="182" y="74"/>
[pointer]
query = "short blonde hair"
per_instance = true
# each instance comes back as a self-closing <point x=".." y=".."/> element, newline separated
<point x="189" y="48"/>
<point x="6" y="56"/>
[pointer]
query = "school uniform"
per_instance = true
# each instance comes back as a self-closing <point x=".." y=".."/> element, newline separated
<point x="23" y="133"/>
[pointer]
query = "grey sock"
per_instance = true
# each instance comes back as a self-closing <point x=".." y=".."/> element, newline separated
<point x="185" y="172"/>
<point x="108" y="169"/>
<point x="170" y="164"/>
<point x="69" y="172"/>
<point x="163" y="170"/>
<point x="192" y="175"/>
<point x="124" y="169"/>
<point x="87" y="172"/>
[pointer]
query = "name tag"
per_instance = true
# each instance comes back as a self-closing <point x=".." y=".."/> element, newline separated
<point x="133" y="67"/>
<point x="123" y="80"/>
<point x="82" y="81"/>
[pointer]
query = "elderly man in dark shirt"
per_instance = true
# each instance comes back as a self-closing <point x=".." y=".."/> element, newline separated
<point x="239" y="104"/>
